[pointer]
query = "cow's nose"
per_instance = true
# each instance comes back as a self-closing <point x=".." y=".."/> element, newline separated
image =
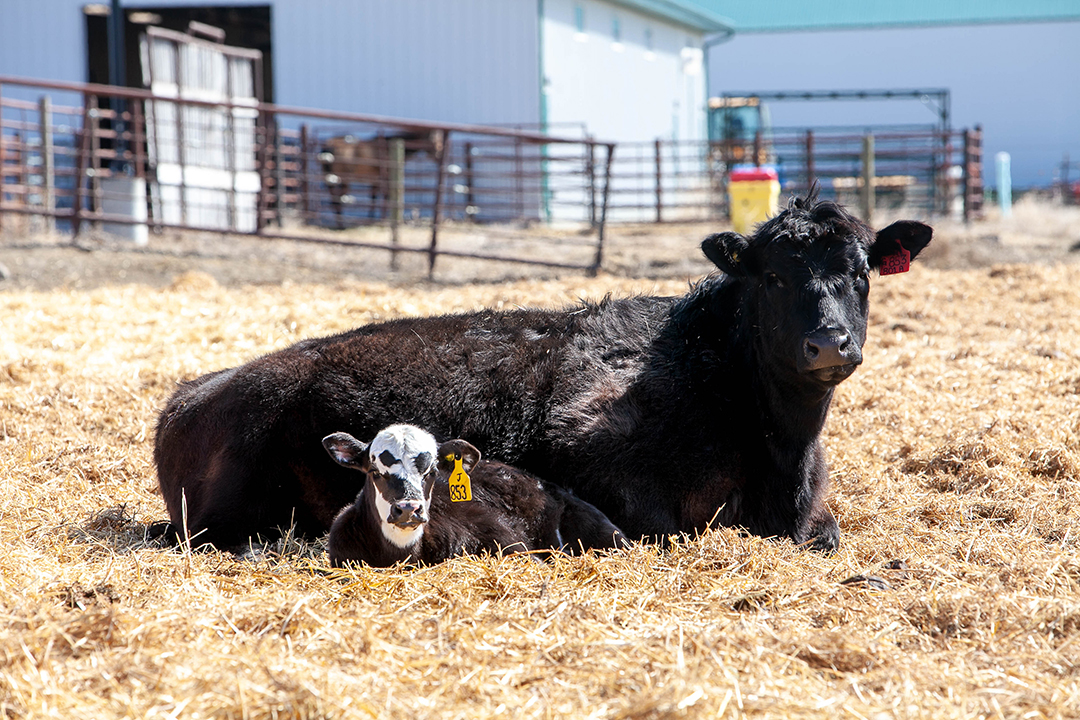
<point x="407" y="512"/>
<point x="829" y="348"/>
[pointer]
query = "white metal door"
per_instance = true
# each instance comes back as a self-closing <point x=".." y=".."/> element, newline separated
<point x="202" y="158"/>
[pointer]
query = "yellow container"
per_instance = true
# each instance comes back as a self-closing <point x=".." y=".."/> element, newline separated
<point x="753" y="196"/>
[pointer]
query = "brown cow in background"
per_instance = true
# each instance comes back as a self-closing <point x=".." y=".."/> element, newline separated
<point x="351" y="160"/>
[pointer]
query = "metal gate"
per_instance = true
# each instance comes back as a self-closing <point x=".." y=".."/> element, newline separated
<point x="202" y="158"/>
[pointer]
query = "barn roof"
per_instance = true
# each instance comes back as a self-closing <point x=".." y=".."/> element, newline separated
<point x="694" y="15"/>
<point x="753" y="16"/>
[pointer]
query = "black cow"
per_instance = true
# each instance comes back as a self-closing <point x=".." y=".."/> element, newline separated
<point x="667" y="414"/>
<point x="408" y="509"/>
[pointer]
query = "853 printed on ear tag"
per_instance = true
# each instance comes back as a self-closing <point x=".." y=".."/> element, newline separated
<point x="898" y="262"/>
<point x="460" y="485"/>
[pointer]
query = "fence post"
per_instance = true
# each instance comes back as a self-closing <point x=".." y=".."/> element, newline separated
<point x="138" y="139"/>
<point x="973" y="182"/>
<point x="263" y="130"/>
<point x="948" y="182"/>
<point x="470" y="192"/>
<point x="1065" y="179"/>
<point x="396" y="194"/>
<point x="590" y="173"/>
<point x="80" y="165"/>
<point x="440" y="175"/>
<point x="305" y="186"/>
<point x="867" y="195"/>
<point x="603" y="212"/>
<point x="811" y="174"/>
<point x="48" y="181"/>
<point x="519" y="179"/>
<point x="279" y="178"/>
<point x="95" y="162"/>
<point x="1" y="161"/>
<point x="659" y="183"/>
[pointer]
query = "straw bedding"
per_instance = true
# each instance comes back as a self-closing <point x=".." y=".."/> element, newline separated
<point x="956" y="592"/>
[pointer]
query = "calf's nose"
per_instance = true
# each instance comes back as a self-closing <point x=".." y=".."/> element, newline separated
<point x="829" y="348"/>
<point x="407" y="512"/>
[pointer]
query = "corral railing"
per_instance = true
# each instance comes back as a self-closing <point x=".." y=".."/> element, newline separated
<point x="925" y="171"/>
<point x="129" y="162"/>
<point x="85" y="153"/>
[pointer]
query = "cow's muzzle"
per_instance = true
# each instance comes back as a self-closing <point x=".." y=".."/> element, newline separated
<point x="407" y="514"/>
<point x="830" y="355"/>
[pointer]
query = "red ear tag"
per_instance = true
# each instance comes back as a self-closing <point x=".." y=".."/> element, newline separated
<point x="898" y="262"/>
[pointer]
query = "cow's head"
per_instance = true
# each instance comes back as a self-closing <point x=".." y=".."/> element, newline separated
<point x="401" y="463"/>
<point x="807" y="278"/>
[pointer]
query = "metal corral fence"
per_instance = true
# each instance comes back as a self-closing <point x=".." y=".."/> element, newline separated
<point x="130" y="161"/>
<point x="924" y="171"/>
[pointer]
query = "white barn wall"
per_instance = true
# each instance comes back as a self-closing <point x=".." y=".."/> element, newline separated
<point x="625" y="92"/>
<point x="622" y="90"/>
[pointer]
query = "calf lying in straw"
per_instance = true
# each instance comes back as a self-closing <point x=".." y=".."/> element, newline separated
<point x="423" y="502"/>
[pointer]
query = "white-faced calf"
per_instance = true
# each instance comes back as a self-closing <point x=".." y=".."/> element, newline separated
<point x="405" y="511"/>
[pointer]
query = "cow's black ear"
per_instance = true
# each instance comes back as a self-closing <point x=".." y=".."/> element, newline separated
<point x="912" y="236"/>
<point x="451" y="449"/>
<point x="728" y="252"/>
<point x="347" y="450"/>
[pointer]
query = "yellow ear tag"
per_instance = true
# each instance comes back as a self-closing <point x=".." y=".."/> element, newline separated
<point x="460" y="486"/>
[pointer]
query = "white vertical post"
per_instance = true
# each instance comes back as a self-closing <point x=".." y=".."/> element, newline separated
<point x="1004" y="183"/>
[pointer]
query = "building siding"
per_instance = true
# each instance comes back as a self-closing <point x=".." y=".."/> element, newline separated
<point x="465" y="61"/>
<point x="622" y="89"/>
<point x="42" y="39"/>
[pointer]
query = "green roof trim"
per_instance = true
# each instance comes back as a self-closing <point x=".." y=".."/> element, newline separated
<point x="753" y="16"/>
<point x="681" y="12"/>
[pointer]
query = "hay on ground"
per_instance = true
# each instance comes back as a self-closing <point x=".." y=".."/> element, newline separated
<point x="955" y="593"/>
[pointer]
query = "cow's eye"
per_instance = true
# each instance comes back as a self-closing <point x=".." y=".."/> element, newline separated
<point x="771" y="280"/>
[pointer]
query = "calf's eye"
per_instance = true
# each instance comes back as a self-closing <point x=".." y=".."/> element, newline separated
<point x="773" y="281"/>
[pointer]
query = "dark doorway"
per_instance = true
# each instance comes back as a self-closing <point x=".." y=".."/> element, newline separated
<point x="247" y="26"/>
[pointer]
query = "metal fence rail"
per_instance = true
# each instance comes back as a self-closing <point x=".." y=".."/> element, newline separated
<point x="313" y="168"/>
<point x="927" y="172"/>
<point x="130" y="162"/>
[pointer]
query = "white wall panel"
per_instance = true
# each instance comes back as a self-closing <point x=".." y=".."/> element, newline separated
<point x="622" y="89"/>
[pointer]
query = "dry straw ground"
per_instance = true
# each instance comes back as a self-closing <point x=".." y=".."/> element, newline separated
<point x="956" y="592"/>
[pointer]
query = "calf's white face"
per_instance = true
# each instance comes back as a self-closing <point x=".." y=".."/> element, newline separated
<point x="403" y="470"/>
<point x="401" y="465"/>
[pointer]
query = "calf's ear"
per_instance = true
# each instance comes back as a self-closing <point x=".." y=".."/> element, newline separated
<point x="449" y="451"/>
<point x="908" y="234"/>
<point x="347" y="450"/>
<point x="728" y="252"/>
